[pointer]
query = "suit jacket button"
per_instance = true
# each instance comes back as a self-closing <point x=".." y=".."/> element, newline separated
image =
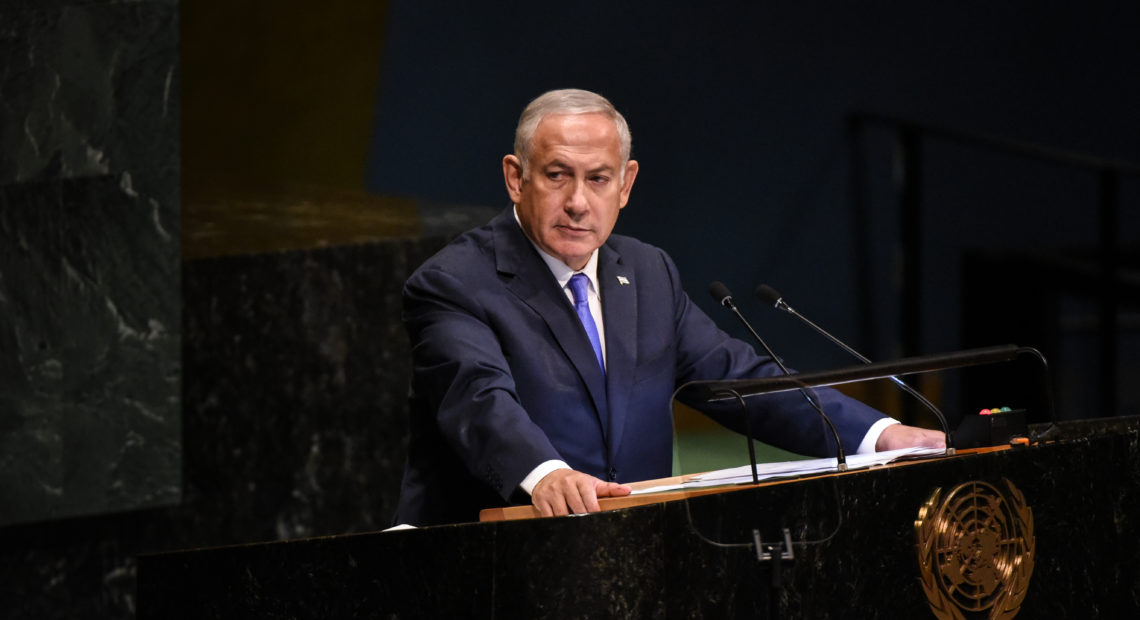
<point x="613" y="474"/>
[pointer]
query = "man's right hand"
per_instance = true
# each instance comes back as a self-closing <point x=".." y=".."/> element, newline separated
<point x="565" y="491"/>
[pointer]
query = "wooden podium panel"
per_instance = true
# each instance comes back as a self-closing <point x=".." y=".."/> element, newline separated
<point x="856" y="551"/>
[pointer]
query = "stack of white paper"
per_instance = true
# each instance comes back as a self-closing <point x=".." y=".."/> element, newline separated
<point x="769" y="471"/>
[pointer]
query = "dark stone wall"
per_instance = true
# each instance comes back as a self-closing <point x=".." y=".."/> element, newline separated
<point x="296" y="389"/>
<point x="294" y="420"/>
<point x="147" y="404"/>
<point x="90" y="318"/>
<point x="150" y="403"/>
<point x="89" y="256"/>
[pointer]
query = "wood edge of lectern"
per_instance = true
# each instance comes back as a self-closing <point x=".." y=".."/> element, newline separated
<point x="513" y="513"/>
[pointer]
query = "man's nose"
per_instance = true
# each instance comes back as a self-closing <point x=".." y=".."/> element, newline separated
<point x="576" y="202"/>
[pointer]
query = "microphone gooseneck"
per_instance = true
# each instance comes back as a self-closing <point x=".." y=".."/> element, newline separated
<point x="723" y="296"/>
<point x="767" y="294"/>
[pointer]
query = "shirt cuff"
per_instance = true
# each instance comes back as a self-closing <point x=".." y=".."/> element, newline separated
<point x="538" y="473"/>
<point x="867" y="446"/>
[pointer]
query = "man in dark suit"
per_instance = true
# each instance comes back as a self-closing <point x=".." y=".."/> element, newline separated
<point x="546" y="351"/>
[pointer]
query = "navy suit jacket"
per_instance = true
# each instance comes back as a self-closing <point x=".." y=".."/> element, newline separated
<point x="504" y="376"/>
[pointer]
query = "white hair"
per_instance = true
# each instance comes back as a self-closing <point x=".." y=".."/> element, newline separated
<point x="567" y="101"/>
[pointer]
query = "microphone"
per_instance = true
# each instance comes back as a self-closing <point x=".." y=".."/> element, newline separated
<point x="723" y="296"/>
<point x="767" y="294"/>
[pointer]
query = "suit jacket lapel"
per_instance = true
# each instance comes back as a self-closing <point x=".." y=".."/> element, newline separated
<point x="619" y="309"/>
<point x="533" y="283"/>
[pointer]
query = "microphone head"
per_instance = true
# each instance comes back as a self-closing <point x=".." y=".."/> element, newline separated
<point x="720" y="292"/>
<point x="768" y="295"/>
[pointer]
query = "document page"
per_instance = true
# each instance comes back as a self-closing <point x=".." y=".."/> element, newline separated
<point x="788" y="469"/>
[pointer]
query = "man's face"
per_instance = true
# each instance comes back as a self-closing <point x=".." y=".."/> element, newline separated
<point x="569" y="201"/>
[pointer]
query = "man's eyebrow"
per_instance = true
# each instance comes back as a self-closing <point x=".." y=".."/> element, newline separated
<point x="558" y="163"/>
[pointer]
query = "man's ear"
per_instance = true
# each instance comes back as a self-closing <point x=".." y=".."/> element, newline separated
<point x="512" y="176"/>
<point x="627" y="185"/>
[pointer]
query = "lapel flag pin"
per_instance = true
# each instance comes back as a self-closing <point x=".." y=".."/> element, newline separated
<point x="623" y="280"/>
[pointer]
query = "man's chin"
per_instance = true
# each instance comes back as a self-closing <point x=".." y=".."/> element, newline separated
<point x="573" y="254"/>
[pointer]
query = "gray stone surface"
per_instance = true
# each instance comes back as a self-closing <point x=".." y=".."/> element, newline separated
<point x="89" y="259"/>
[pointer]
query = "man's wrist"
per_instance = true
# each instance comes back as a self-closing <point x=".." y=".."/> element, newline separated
<point x="540" y="472"/>
<point x="867" y="446"/>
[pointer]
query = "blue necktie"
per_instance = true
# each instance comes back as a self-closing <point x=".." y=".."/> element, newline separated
<point x="578" y="284"/>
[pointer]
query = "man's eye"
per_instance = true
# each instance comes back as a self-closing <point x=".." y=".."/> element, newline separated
<point x="600" y="179"/>
<point x="554" y="176"/>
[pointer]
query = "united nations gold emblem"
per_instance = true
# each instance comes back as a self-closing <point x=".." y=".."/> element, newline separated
<point x="975" y="551"/>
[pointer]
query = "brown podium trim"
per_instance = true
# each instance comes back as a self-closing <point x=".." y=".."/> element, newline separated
<point x="512" y="513"/>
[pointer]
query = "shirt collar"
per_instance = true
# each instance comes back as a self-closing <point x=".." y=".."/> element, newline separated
<point x="562" y="272"/>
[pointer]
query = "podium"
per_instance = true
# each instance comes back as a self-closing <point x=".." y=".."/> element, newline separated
<point x="696" y="557"/>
